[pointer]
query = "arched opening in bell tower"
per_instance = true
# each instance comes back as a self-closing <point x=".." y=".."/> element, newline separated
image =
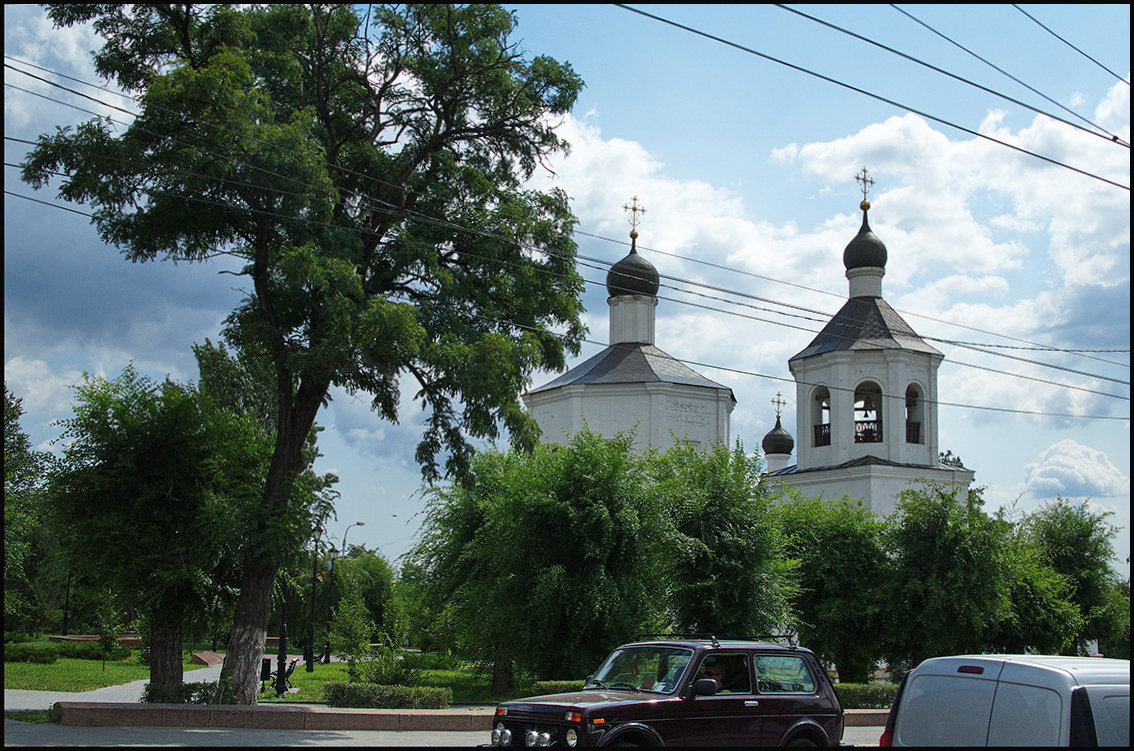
<point x="821" y="417"/>
<point x="915" y="415"/>
<point x="868" y="413"/>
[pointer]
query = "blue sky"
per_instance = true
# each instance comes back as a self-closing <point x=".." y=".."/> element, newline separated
<point x="747" y="164"/>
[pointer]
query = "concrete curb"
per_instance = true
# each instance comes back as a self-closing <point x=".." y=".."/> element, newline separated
<point x="310" y="717"/>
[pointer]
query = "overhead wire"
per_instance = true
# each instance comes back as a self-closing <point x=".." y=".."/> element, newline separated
<point x="907" y="14"/>
<point x="1084" y="54"/>
<point x="686" y="281"/>
<point x="733" y="292"/>
<point x="899" y="105"/>
<point x="697" y="363"/>
<point x="1105" y="134"/>
<point x="402" y="188"/>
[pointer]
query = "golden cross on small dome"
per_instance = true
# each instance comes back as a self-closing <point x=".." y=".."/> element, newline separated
<point x="634" y="208"/>
<point x="779" y="402"/>
<point x="867" y="183"/>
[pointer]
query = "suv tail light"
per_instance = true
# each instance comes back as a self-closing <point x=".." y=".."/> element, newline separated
<point x="887" y="739"/>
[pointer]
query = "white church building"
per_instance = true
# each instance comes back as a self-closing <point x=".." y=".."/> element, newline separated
<point x="866" y="398"/>
<point x="632" y="385"/>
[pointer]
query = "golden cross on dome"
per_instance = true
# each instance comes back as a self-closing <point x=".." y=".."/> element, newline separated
<point x="779" y="402"/>
<point x="867" y="183"/>
<point x="634" y="208"/>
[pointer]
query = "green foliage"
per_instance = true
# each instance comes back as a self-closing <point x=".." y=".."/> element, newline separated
<point x="203" y="692"/>
<point x="1077" y="543"/>
<point x="149" y="475"/>
<point x="370" y="575"/>
<point x="944" y="589"/>
<point x="724" y="564"/>
<point x="92" y="650"/>
<point x="541" y="688"/>
<point x="866" y="695"/>
<point x="371" y="179"/>
<point x="351" y="631"/>
<point x="38" y="652"/>
<point x="841" y="564"/>
<point x="546" y="559"/>
<point x="385" y="666"/>
<point x="372" y="695"/>
<point x="24" y="474"/>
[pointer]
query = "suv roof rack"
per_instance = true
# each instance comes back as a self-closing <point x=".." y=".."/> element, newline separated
<point x="790" y="638"/>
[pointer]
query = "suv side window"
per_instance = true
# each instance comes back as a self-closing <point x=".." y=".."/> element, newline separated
<point x="730" y="670"/>
<point x="783" y="674"/>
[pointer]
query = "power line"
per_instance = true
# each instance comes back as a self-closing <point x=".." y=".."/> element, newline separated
<point x="1084" y="54"/>
<point x="963" y="129"/>
<point x="721" y="367"/>
<point x="732" y="292"/>
<point x="1113" y="138"/>
<point x="403" y="190"/>
<point x="907" y="14"/>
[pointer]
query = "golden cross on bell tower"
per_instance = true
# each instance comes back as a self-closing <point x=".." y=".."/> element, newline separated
<point x="634" y="208"/>
<point x="867" y="183"/>
<point x="779" y="402"/>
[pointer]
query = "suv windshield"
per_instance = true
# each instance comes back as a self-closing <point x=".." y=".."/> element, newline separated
<point x="642" y="669"/>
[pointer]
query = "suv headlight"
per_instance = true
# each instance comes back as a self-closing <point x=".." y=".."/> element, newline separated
<point x="571" y="737"/>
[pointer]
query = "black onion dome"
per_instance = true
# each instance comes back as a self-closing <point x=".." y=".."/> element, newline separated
<point x="633" y="275"/>
<point x="865" y="249"/>
<point x="778" y="440"/>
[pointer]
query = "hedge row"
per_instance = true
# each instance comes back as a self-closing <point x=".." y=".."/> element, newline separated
<point x="203" y="692"/>
<point x="30" y="651"/>
<point x="375" y="696"/>
<point x="48" y="652"/>
<point x="541" y="688"/>
<point x="865" y="695"/>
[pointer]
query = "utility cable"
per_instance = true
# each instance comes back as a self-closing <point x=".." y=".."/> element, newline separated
<point x="1084" y="54"/>
<point x="907" y="14"/>
<point x="1108" y="135"/>
<point x="953" y="342"/>
<point x="899" y="105"/>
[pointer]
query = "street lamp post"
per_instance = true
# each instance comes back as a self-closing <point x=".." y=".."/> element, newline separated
<point x="309" y="648"/>
<point x="331" y="594"/>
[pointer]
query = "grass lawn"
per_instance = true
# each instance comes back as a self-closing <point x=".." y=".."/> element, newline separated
<point x="69" y="674"/>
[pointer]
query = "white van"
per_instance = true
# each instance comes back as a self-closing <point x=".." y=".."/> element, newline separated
<point x="1012" y="700"/>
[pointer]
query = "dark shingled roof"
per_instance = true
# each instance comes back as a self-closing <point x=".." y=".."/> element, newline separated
<point x="862" y="461"/>
<point x="631" y="363"/>
<point x="865" y="323"/>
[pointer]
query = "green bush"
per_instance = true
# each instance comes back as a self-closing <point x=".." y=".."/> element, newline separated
<point x="865" y="695"/>
<point x="556" y="687"/>
<point x="374" y="696"/>
<point x="41" y="652"/>
<point x="431" y="661"/>
<point x="16" y="636"/>
<point x="204" y="692"/>
<point x="90" y="650"/>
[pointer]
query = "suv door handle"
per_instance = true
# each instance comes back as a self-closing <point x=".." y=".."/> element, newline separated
<point x="751" y="703"/>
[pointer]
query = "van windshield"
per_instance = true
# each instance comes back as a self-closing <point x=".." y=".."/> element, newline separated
<point x="656" y="669"/>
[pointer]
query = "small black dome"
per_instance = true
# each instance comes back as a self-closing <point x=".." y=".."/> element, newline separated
<point x="865" y="249"/>
<point x="633" y="275"/>
<point x="778" y="440"/>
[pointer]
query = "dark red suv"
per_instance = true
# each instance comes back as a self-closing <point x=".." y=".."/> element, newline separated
<point x="685" y="691"/>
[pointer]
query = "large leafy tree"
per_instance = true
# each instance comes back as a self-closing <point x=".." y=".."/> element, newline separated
<point x="544" y="560"/>
<point x="367" y="170"/>
<point x="945" y="587"/>
<point x="841" y="564"/>
<point x="150" y="475"/>
<point x="25" y="470"/>
<point x="725" y="569"/>
<point x="1078" y="543"/>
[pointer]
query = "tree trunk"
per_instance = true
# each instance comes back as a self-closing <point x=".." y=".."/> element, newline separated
<point x="166" y="670"/>
<point x="240" y="674"/>
<point x="501" y="676"/>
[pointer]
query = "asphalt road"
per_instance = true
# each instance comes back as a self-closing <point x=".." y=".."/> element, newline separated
<point x="28" y="734"/>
